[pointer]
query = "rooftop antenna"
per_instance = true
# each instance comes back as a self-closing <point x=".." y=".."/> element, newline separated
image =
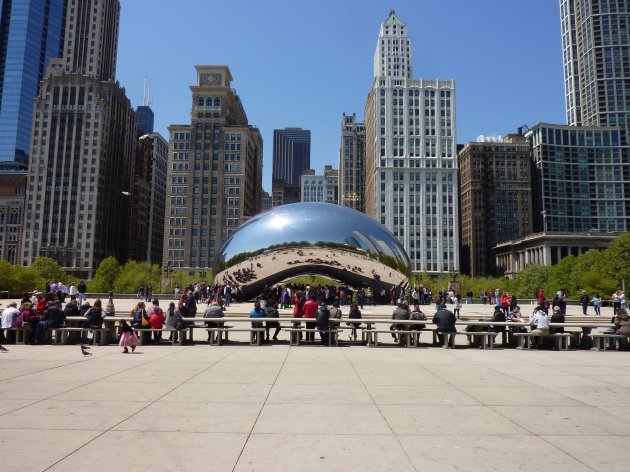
<point x="146" y="94"/>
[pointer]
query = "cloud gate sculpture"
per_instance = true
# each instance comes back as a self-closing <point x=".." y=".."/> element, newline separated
<point x="311" y="238"/>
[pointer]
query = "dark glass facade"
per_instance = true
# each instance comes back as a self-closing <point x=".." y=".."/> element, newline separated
<point x="596" y="48"/>
<point x="31" y="32"/>
<point x="291" y="154"/>
<point x="580" y="179"/>
<point x="145" y="119"/>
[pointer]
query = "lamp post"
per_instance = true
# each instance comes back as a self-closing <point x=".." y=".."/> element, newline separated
<point x="167" y="269"/>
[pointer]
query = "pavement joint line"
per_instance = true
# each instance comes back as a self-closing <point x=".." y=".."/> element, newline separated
<point x="70" y="390"/>
<point x="531" y="433"/>
<point x="539" y="436"/>
<point x="378" y="408"/>
<point x="262" y="406"/>
<point x="141" y="409"/>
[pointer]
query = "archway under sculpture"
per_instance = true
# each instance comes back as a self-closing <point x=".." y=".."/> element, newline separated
<point x="307" y="239"/>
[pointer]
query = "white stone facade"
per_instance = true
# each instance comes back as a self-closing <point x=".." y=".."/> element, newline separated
<point x="411" y="160"/>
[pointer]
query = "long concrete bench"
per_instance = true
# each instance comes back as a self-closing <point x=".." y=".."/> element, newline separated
<point x="561" y="340"/>
<point x="486" y="340"/>
<point x="99" y="335"/>
<point x="21" y="334"/>
<point x="216" y="335"/>
<point x="144" y="334"/>
<point x="603" y="341"/>
<point x="294" y="335"/>
<point x="410" y="338"/>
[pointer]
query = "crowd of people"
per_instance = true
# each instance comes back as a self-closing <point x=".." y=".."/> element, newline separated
<point x="42" y="312"/>
<point x="320" y="305"/>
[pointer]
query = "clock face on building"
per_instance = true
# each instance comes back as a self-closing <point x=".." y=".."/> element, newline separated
<point x="211" y="79"/>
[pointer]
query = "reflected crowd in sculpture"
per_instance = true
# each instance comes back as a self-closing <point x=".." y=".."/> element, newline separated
<point x="311" y="238"/>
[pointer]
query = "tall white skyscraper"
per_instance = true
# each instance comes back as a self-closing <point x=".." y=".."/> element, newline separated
<point x="411" y="154"/>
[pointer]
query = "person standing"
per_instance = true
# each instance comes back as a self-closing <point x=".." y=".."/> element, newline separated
<point x="227" y="291"/>
<point x="82" y="289"/>
<point x="458" y="306"/>
<point x="584" y="302"/>
<point x="191" y="304"/>
<point x="128" y="338"/>
<point x="310" y="313"/>
<point x="73" y="291"/>
<point x="597" y="301"/>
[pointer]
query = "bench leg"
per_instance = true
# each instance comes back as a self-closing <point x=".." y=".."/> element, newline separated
<point x="294" y="338"/>
<point x="599" y="344"/>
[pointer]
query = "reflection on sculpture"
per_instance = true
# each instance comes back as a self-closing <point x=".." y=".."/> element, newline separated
<point x="311" y="238"/>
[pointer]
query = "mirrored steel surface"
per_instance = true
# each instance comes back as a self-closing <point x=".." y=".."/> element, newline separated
<point x="311" y="238"/>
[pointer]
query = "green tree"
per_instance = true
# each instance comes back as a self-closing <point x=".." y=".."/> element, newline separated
<point x="105" y="276"/>
<point x="134" y="274"/>
<point x="595" y="282"/>
<point x="529" y="280"/>
<point x="561" y="276"/>
<point x="616" y="259"/>
<point x="49" y="269"/>
<point x="17" y="279"/>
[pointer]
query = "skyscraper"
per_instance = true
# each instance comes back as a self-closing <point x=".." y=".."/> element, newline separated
<point x="31" y="32"/>
<point x="214" y="180"/>
<point x="352" y="163"/>
<point x="581" y="172"/>
<point x="320" y="188"/>
<point x="82" y="148"/>
<point x="496" y="199"/>
<point x="411" y="154"/>
<point x="596" y="54"/>
<point x="291" y="154"/>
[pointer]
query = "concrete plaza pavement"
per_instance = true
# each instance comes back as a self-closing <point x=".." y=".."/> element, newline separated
<point x="312" y="408"/>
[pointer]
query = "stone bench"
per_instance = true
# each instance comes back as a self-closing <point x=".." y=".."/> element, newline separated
<point x="99" y="336"/>
<point x="410" y="337"/>
<point x="255" y="334"/>
<point x="603" y="341"/>
<point x="21" y="334"/>
<point x="144" y="334"/>
<point x="561" y="340"/>
<point x="486" y="338"/>
<point x="294" y="335"/>
<point x="449" y="338"/>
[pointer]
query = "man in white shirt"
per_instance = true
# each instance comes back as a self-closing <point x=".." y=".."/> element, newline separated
<point x="540" y="322"/>
<point x="9" y="320"/>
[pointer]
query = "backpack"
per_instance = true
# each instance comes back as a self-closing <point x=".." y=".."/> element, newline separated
<point x="271" y="312"/>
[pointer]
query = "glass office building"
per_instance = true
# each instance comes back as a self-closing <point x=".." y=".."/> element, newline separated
<point x="31" y="32"/>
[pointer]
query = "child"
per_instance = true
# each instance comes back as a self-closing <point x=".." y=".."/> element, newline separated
<point x="458" y="306"/>
<point x="127" y="338"/>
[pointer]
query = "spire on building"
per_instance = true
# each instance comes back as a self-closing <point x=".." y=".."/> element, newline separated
<point x="146" y="94"/>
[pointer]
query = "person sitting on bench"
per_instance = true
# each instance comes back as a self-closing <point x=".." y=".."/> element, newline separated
<point x="540" y="324"/>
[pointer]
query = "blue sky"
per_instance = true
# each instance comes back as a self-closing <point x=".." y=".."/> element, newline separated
<point x="304" y="63"/>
